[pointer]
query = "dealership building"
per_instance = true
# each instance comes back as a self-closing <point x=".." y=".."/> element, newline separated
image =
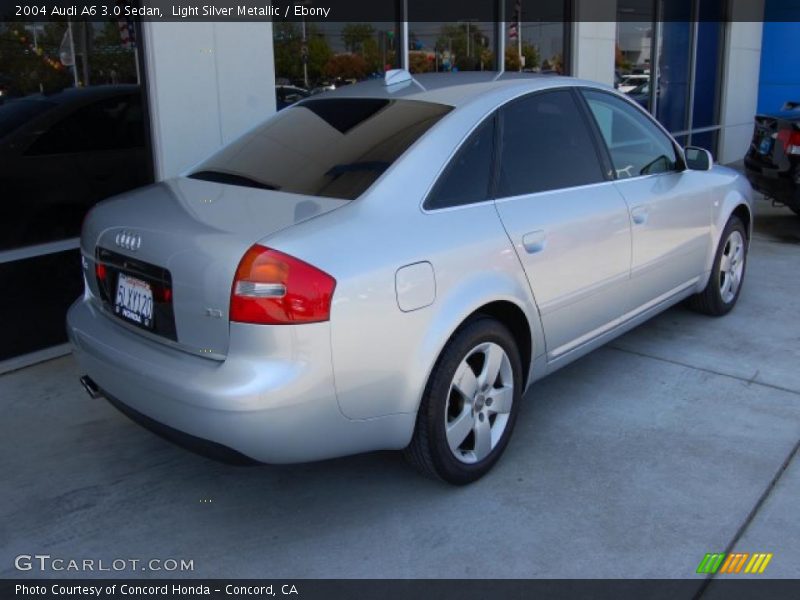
<point x="89" y="110"/>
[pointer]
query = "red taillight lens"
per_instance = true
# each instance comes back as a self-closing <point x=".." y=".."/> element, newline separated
<point x="100" y="271"/>
<point x="790" y="139"/>
<point x="274" y="288"/>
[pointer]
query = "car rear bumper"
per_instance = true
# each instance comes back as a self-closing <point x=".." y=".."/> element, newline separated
<point x="778" y="184"/>
<point x="271" y="400"/>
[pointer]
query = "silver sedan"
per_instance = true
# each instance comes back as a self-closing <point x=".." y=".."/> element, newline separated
<point x="392" y="264"/>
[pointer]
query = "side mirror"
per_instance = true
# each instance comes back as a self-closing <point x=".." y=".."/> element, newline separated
<point x="698" y="159"/>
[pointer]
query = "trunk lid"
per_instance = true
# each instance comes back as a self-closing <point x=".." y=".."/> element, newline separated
<point x="186" y="236"/>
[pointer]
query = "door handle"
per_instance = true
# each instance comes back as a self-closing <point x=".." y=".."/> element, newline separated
<point x="534" y="241"/>
<point x="639" y="215"/>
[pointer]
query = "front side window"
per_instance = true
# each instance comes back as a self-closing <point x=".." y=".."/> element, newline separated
<point x="636" y="145"/>
<point x="546" y="145"/>
<point x="468" y="177"/>
<point x="335" y="148"/>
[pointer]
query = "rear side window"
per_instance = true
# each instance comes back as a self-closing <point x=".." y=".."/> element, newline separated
<point x="469" y="175"/>
<point x="545" y="145"/>
<point x="636" y="145"/>
<point x="334" y="147"/>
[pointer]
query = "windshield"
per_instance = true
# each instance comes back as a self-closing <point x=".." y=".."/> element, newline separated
<point x="324" y="147"/>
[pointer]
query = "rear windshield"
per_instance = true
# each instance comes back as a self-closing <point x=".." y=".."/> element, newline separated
<point x="324" y="147"/>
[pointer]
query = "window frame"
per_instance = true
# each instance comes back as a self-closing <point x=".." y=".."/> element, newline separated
<point x="598" y="144"/>
<point x="680" y="162"/>
<point x="588" y="124"/>
<point x="492" y="117"/>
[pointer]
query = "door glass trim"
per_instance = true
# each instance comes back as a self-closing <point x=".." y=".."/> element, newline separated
<point x="563" y="190"/>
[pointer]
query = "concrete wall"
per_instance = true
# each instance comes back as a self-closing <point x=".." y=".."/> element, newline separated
<point x="208" y="83"/>
<point x="739" y="91"/>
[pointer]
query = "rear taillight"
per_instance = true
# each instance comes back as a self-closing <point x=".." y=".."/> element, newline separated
<point x="790" y="139"/>
<point x="273" y="288"/>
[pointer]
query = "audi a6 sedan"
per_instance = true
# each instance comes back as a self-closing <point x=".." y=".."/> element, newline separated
<point x="392" y="264"/>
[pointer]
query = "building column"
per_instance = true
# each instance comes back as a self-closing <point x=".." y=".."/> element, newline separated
<point x="207" y="83"/>
<point x="742" y="63"/>
<point x="594" y="42"/>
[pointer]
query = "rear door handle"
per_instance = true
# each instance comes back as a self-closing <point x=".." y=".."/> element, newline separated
<point x="534" y="241"/>
<point x="639" y="215"/>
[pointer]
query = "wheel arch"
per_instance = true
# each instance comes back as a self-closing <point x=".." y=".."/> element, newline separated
<point x="745" y="215"/>
<point x="523" y="324"/>
<point x="736" y="202"/>
<point x="512" y="316"/>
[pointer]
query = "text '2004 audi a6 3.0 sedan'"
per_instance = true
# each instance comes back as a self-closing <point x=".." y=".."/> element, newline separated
<point x="390" y="265"/>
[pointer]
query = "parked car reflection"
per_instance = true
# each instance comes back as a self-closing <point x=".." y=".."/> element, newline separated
<point x="62" y="153"/>
<point x="286" y="95"/>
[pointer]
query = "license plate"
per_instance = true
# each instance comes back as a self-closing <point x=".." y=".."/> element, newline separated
<point x="134" y="301"/>
<point x="765" y="147"/>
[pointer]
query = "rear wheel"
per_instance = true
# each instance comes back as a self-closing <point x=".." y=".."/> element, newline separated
<point x="727" y="274"/>
<point x="470" y="404"/>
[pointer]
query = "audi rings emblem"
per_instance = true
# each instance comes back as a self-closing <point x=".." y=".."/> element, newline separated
<point x="128" y="240"/>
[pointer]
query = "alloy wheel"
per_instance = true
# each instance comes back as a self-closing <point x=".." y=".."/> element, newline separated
<point x="479" y="403"/>
<point x="731" y="267"/>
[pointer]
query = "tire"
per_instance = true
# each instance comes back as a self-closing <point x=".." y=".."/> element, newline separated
<point x="727" y="274"/>
<point x="461" y="398"/>
<point x="795" y="209"/>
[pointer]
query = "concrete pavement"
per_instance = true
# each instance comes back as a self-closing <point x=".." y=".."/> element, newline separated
<point x="678" y="439"/>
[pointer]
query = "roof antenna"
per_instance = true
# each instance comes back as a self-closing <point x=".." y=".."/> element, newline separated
<point x="396" y="77"/>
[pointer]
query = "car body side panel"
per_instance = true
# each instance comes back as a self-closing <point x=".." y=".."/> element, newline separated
<point x="671" y="226"/>
<point x="579" y="266"/>
<point x="729" y="190"/>
<point x="382" y="356"/>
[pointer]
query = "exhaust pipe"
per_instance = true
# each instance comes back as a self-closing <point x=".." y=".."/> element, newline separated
<point x="91" y="387"/>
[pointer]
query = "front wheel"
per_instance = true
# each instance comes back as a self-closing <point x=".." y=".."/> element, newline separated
<point x="470" y="404"/>
<point x="727" y="274"/>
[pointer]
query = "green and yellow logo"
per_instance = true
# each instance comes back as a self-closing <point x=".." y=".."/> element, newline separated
<point x="734" y="563"/>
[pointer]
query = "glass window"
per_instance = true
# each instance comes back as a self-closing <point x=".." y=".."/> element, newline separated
<point x="36" y="295"/>
<point x="637" y="146"/>
<point x="333" y="147"/>
<point x="708" y="68"/>
<point x="675" y="47"/>
<point x="64" y="106"/>
<point x="706" y="139"/>
<point x="465" y="45"/>
<point x="111" y="123"/>
<point x="536" y="37"/>
<point x="313" y="57"/>
<point x="633" y="53"/>
<point x="468" y="176"/>
<point x="72" y="133"/>
<point x="14" y="115"/>
<point x="545" y="145"/>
